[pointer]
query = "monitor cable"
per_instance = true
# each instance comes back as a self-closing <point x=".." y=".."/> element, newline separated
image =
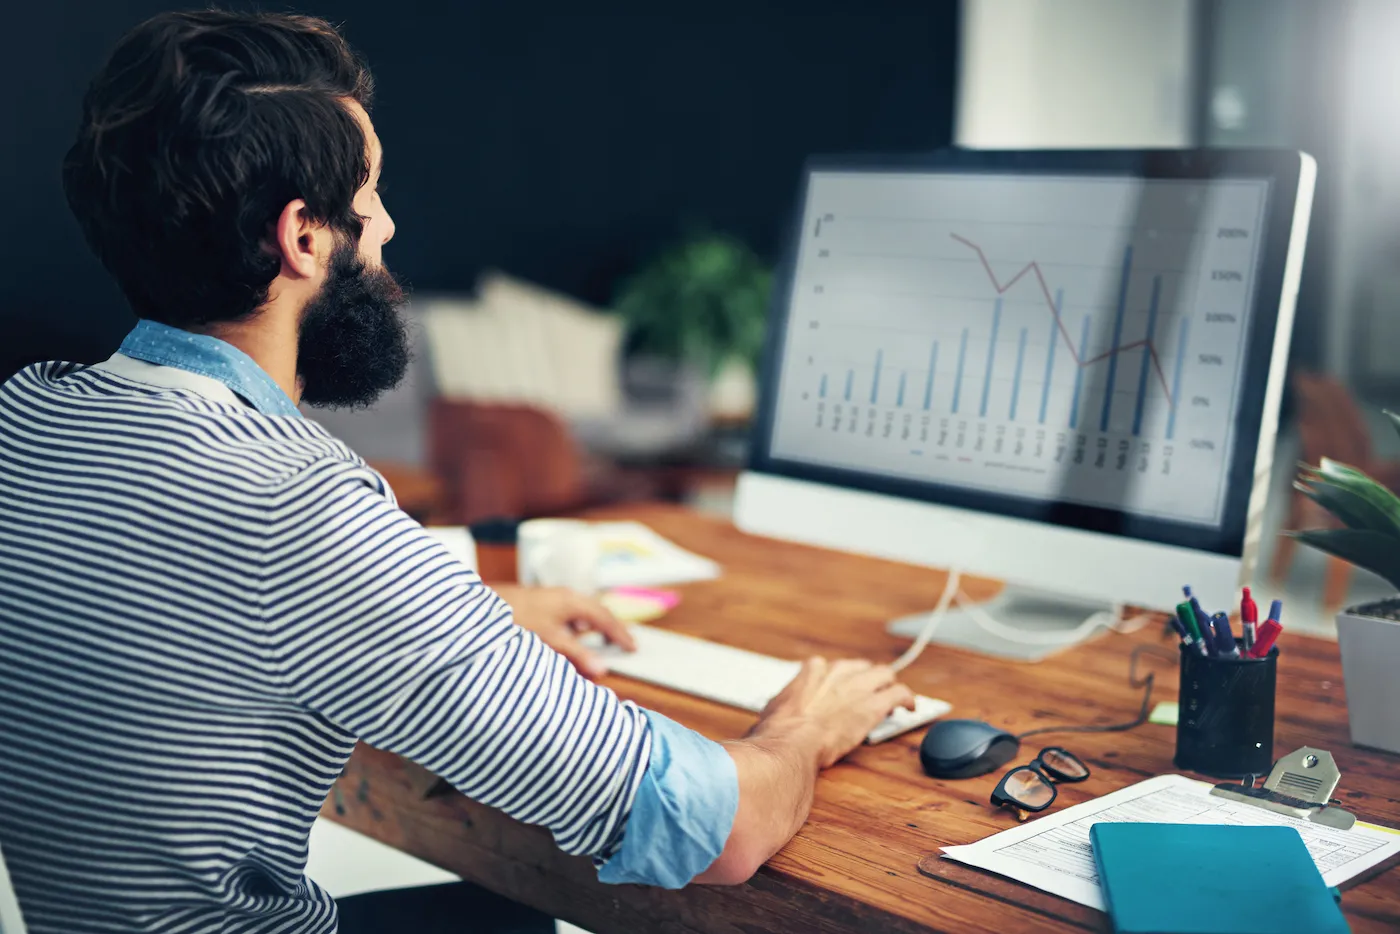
<point x="952" y="592"/>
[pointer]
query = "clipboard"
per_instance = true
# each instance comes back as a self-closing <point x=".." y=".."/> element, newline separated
<point x="1300" y="785"/>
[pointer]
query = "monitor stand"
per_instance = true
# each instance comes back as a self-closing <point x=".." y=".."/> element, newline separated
<point x="1030" y="611"/>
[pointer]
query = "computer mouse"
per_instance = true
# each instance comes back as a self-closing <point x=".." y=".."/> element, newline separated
<point x="965" y="748"/>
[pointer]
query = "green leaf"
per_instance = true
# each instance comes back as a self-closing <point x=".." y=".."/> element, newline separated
<point x="1341" y="475"/>
<point x="1394" y="419"/>
<point x="1375" y="551"/>
<point x="1355" y="510"/>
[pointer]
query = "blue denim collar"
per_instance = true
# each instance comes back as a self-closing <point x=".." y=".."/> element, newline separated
<point x="161" y="344"/>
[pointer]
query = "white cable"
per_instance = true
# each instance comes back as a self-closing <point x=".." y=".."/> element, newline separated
<point x="1104" y="618"/>
<point x="950" y="591"/>
<point x="1108" y="619"/>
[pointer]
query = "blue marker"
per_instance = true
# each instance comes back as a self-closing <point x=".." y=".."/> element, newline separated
<point x="1186" y="589"/>
<point x="1224" y="639"/>
<point x="1203" y="621"/>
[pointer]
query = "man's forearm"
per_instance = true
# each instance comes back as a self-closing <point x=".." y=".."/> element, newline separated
<point x="777" y="775"/>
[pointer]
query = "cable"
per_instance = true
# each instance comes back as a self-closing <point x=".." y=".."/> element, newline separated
<point x="952" y="591"/>
<point x="951" y="588"/>
<point x="1133" y="681"/>
<point x="1104" y="618"/>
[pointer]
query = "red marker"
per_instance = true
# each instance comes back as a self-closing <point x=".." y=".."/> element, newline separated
<point x="1249" y="616"/>
<point x="1269" y="630"/>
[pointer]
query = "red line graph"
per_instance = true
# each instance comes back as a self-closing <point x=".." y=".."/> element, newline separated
<point x="1034" y="267"/>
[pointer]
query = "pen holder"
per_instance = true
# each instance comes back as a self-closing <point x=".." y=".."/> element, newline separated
<point x="1225" y="721"/>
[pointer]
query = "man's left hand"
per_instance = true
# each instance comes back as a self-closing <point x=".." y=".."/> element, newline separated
<point x="559" y="616"/>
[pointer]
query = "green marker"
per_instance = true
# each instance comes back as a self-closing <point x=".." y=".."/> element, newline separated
<point x="1188" y="619"/>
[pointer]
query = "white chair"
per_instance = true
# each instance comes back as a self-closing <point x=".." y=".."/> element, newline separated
<point x="11" y="922"/>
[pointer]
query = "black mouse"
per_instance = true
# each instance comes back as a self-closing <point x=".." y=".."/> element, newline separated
<point x="965" y="748"/>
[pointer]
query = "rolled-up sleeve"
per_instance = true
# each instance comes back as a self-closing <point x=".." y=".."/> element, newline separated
<point x="682" y="813"/>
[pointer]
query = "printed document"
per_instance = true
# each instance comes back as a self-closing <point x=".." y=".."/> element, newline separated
<point x="1053" y="852"/>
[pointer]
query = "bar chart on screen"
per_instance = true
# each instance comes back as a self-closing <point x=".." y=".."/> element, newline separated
<point x="1075" y="338"/>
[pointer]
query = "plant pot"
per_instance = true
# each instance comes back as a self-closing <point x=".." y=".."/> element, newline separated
<point x="1369" y="637"/>
<point x="733" y="390"/>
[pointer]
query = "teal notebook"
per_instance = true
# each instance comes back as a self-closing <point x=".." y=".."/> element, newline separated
<point x="1211" y="879"/>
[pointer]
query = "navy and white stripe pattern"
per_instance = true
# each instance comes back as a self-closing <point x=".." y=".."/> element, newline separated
<point x="201" y="608"/>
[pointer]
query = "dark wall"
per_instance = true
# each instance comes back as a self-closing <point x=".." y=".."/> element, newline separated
<point x="557" y="143"/>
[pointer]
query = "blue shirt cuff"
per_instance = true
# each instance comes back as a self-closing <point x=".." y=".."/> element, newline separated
<point x="682" y="813"/>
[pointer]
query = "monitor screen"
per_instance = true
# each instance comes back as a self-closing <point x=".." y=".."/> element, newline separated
<point x="1071" y="347"/>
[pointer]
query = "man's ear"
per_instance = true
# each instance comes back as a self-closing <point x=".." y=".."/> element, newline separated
<point x="299" y="241"/>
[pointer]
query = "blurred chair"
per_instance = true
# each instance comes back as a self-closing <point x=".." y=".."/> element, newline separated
<point x="1330" y="424"/>
<point x="529" y="408"/>
<point x="519" y="343"/>
<point x="506" y="460"/>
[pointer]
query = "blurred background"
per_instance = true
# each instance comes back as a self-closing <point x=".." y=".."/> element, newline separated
<point x="590" y="202"/>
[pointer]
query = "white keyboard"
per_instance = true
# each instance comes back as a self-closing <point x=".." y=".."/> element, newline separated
<point x="732" y="676"/>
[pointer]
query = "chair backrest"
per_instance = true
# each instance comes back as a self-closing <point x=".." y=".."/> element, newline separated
<point x="1330" y="423"/>
<point x="501" y="460"/>
<point x="11" y="922"/>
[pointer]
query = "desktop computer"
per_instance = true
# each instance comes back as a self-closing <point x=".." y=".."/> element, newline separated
<point x="1058" y="369"/>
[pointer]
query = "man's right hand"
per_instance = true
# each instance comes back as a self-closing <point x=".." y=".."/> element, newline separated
<point x="834" y="704"/>
<point x="823" y="714"/>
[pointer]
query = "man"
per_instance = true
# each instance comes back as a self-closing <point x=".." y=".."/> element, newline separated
<point x="205" y="600"/>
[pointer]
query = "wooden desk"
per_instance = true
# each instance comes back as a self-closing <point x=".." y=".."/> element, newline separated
<point x="867" y="859"/>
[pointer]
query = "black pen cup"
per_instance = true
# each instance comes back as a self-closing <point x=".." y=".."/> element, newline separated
<point x="1225" y="721"/>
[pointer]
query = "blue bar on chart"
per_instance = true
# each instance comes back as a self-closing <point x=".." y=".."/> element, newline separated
<point x="1147" y="354"/>
<point x="1176" y="378"/>
<point x="899" y="401"/>
<point x="823" y="390"/>
<point x="1079" y="374"/>
<point x="1117" y="336"/>
<point x="991" y="357"/>
<point x="932" y="365"/>
<point x="1016" y="381"/>
<point x="1050" y="354"/>
<point x="850" y="377"/>
<point x="957" y="384"/>
<point x="875" y="380"/>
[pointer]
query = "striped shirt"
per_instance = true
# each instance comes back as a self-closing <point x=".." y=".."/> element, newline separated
<point x="204" y="606"/>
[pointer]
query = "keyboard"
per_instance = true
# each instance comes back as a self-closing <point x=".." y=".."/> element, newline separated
<point x="731" y="676"/>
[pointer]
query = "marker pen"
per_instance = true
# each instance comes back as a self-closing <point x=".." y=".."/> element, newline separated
<point x="1224" y="639"/>
<point x="1188" y="619"/>
<point x="1203" y="623"/>
<point x="1249" y="618"/>
<point x="1269" y="630"/>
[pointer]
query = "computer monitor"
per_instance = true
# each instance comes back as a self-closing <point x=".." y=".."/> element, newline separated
<point x="1059" y="369"/>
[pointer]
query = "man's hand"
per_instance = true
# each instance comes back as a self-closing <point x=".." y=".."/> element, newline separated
<point x="835" y="703"/>
<point x="558" y="616"/>
<point x="823" y="714"/>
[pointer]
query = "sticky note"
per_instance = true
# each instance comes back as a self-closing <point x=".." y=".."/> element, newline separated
<point x="1164" y="713"/>
<point x="632" y="605"/>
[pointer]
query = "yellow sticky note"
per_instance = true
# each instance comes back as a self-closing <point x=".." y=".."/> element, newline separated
<point x="631" y="609"/>
<point x="1164" y="713"/>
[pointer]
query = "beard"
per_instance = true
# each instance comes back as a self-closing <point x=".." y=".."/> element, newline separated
<point x="352" y="344"/>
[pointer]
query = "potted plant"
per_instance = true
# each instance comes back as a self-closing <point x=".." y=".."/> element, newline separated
<point x="1368" y="635"/>
<point x="703" y="303"/>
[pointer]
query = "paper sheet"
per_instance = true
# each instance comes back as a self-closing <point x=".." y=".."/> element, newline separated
<point x="632" y="555"/>
<point x="1053" y="852"/>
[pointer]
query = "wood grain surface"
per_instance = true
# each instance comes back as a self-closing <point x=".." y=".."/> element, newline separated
<point x="867" y="860"/>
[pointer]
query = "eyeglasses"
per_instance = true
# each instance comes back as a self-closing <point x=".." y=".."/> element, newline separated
<point x="1031" y="788"/>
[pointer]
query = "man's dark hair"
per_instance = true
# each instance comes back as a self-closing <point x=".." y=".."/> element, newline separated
<point x="195" y="135"/>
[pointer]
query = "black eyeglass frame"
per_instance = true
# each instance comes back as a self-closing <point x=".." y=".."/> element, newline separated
<point x="1049" y="776"/>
